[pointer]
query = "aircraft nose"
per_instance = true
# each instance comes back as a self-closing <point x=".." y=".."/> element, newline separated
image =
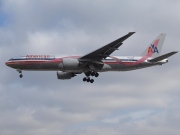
<point x="7" y="63"/>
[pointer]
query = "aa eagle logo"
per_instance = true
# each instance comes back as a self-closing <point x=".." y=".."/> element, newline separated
<point x="153" y="49"/>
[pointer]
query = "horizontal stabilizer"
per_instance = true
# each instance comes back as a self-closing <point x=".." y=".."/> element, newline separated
<point x="162" y="57"/>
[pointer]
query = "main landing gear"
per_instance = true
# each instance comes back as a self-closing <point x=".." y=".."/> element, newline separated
<point x="88" y="74"/>
<point x="20" y="71"/>
<point x="87" y="79"/>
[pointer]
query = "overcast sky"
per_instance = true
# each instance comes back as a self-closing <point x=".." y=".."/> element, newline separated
<point x="118" y="103"/>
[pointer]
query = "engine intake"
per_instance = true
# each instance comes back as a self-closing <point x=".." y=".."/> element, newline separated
<point x="64" y="75"/>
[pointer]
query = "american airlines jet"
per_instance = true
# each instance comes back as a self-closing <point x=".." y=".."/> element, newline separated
<point x="94" y="62"/>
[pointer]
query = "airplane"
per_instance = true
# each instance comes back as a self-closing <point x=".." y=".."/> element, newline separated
<point x="94" y="62"/>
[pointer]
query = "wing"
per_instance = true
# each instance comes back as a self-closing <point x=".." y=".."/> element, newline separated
<point x="106" y="50"/>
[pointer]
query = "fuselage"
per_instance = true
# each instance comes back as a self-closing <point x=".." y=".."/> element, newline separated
<point x="54" y="63"/>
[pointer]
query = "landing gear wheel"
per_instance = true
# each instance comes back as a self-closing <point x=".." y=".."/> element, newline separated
<point x="19" y="70"/>
<point x="92" y="80"/>
<point x="96" y="74"/>
<point x="88" y="80"/>
<point x="92" y="73"/>
<point x="84" y="79"/>
<point x="20" y="75"/>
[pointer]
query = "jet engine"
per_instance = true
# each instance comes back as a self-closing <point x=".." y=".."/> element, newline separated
<point x="69" y="63"/>
<point x="64" y="75"/>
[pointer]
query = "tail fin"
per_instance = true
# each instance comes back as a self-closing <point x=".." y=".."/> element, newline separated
<point x="155" y="48"/>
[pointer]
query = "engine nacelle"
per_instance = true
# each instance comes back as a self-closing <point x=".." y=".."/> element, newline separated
<point x="106" y="67"/>
<point x="64" y="75"/>
<point x="69" y="63"/>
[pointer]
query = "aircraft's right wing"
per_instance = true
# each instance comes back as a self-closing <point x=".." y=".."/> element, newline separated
<point x="162" y="57"/>
<point x="106" y="50"/>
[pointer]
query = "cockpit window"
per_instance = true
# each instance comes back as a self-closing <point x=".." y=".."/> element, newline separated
<point x="10" y="59"/>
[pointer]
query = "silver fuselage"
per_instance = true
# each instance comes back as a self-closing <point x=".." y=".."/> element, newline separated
<point x="52" y="63"/>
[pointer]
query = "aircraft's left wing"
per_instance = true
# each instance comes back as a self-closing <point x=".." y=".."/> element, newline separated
<point x="106" y="50"/>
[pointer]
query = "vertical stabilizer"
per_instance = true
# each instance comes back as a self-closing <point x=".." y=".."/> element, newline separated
<point x="155" y="47"/>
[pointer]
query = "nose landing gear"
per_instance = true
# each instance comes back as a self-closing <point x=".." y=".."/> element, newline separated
<point x="20" y="71"/>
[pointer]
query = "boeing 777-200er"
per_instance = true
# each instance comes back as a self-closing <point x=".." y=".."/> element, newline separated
<point x="93" y="62"/>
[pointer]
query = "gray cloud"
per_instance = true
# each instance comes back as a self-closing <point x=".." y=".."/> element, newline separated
<point x="145" y="101"/>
